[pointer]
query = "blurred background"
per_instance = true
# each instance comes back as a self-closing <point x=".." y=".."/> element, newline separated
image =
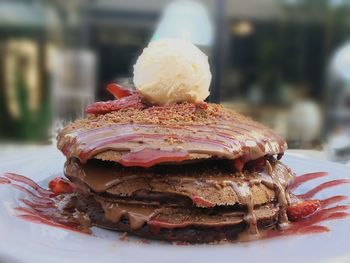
<point x="285" y="63"/>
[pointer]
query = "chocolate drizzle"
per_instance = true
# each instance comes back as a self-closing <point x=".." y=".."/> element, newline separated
<point x="239" y="188"/>
<point x="281" y="193"/>
<point x="245" y="197"/>
<point x="225" y="136"/>
<point x="137" y="215"/>
<point x="201" y="188"/>
<point x="74" y="212"/>
<point x="145" y="142"/>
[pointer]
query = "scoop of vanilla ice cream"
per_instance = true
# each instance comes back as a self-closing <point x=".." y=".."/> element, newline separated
<point x="172" y="70"/>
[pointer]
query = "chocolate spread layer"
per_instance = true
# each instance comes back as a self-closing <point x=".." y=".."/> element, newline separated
<point x="209" y="187"/>
<point x="206" y="185"/>
<point x="110" y="214"/>
<point x="154" y="135"/>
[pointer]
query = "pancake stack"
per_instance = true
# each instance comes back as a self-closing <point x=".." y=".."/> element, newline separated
<point x="182" y="172"/>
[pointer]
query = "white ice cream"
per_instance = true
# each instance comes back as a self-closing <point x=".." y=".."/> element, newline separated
<point x="172" y="70"/>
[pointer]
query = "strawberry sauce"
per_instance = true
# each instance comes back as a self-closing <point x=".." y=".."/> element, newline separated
<point x="40" y="205"/>
<point x="310" y="224"/>
<point x="44" y="206"/>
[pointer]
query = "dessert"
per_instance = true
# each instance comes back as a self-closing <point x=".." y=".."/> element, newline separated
<point x="158" y="162"/>
<point x="195" y="173"/>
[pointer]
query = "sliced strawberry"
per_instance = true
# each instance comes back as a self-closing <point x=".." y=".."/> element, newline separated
<point x="304" y="209"/>
<point x="202" y="105"/>
<point x="60" y="185"/>
<point x="102" y="107"/>
<point x="199" y="201"/>
<point x="118" y="91"/>
<point x="238" y="164"/>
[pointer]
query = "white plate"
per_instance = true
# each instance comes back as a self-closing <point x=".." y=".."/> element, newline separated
<point x="22" y="241"/>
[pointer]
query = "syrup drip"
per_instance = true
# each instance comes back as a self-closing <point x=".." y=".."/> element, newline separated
<point x="310" y="224"/>
<point x="305" y="178"/>
<point x="42" y="206"/>
<point x="311" y="193"/>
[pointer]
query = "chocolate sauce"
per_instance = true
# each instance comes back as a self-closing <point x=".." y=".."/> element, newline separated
<point x="245" y="197"/>
<point x="220" y="187"/>
<point x="228" y="138"/>
<point x="137" y="215"/>
<point x="280" y="190"/>
<point x="151" y="157"/>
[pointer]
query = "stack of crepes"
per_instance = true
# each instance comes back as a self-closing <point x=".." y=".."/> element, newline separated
<point x="192" y="172"/>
